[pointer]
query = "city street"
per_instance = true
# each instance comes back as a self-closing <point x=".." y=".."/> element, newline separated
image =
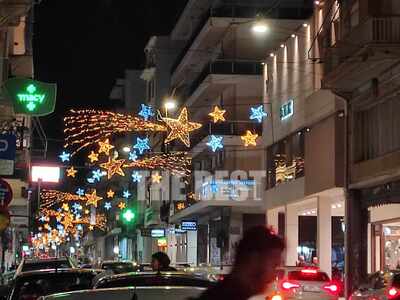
<point x="200" y="149"/>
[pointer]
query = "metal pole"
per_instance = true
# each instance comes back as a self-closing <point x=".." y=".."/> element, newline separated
<point x="38" y="195"/>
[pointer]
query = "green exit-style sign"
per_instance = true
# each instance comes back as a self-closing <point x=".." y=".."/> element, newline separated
<point x="31" y="97"/>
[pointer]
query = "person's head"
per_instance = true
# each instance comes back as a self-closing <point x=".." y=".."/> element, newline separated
<point x="159" y="261"/>
<point x="257" y="256"/>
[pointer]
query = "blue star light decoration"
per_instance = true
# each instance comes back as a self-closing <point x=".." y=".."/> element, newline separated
<point x="146" y="112"/>
<point x="142" y="145"/>
<point x="80" y="192"/>
<point x="215" y="142"/>
<point x="257" y="113"/>
<point x="126" y="194"/>
<point x="133" y="156"/>
<point x="42" y="219"/>
<point x="77" y="206"/>
<point x="107" y="205"/>
<point x="136" y="177"/>
<point x="97" y="174"/>
<point x="60" y="227"/>
<point x="78" y="216"/>
<point x="79" y="227"/>
<point x="65" y="156"/>
<point x="90" y="180"/>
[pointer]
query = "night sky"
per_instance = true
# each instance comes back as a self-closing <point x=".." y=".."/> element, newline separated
<point x="84" y="45"/>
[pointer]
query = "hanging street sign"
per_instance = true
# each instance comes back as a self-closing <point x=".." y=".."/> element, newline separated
<point x="8" y="146"/>
<point x="31" y="97"/>
<point x="286" y="110"/>
<point x="6" y="193"/>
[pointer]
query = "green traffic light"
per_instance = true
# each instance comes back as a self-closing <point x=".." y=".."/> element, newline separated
<point x="128" y="215"/>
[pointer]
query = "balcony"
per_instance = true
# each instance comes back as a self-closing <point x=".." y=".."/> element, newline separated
<point x="213" y="24"/>
<point x="12" y="10"/>
<point x="362" y="54"/>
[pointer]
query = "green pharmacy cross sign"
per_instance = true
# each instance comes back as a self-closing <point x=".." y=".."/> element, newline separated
<point x="31" y="97"/>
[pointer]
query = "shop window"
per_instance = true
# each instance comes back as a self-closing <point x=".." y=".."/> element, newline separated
<point x="285" y="160"/>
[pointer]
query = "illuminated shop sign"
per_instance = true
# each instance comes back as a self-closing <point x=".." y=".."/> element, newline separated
<point x="286" y="110"/>
<point x="157" y="233"/>
<point x="228" y="187"/>
<point x="31" y="97"/>
<point x="189" y="225"/>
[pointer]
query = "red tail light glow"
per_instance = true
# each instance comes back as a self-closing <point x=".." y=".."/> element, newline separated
<point x="287" y="285"/>
<point x="277" y="297"/>
<point x="331" y="288"/>
<point x="393" y="293"/>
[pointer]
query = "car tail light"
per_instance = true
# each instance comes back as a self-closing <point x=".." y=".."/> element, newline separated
<point x="309" y="271"/>
<point x="288" y="285"/>
<point x="277" y="297"/>
<point x="331" y="288"/>
<point x="393" y="293"/>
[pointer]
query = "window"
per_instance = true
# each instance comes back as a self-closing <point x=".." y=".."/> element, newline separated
<point x="355" y="14"/>
<point x="285" y="160"/>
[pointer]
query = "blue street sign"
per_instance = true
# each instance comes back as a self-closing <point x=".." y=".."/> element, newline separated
<point x="8" y="146"/>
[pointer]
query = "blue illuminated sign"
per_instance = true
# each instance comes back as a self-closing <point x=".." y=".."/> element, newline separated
<point x="189" y="225"/>
<point x="287" y="110"/>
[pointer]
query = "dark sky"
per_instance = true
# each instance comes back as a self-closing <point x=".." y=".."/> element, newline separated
<point x="84" y="45"/>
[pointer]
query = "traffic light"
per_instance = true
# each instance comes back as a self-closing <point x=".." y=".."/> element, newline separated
<point x="128" y="216"/>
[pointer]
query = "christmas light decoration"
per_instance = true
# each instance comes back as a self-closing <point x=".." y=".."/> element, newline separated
<point x="42" y="219"/>
<point x="97" y="174"/>
<point x="92" y="198"/>
<point x="146" y="112"/>
<point x="110" y="193"/>
<point x="105" y="147"/>
<point x="80" y="192"/>
<point x="113" y="167"/>
<point x="133" y="156"/>
<point x="90" y="180"/>
<point x="249" y="138"/>
<point x="156" y="177"/>
<point x="215" y="142"/>
<point x="257" y="113"/>
<point x="142" y="145"/>
<point x="71" y="172"/>
<point x="217" y="114"/>
<point x="121" y="205"/>
<point x="126" y="194"/>
<point x="93" y="156"/>
<point x="65" y="156"/>
<point x="180" y="128"/>
<point x="77" y="206"/>
<point x="87" y="127"/>
<point x="65" y="207"/>
<point x="107" y="205"/>
<point x="136" y="177"/>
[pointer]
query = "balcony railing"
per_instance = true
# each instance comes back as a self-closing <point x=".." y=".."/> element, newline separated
<point x="224" y="67"/>
<point x="227" y="128"/>
<point x="246" y="12"/>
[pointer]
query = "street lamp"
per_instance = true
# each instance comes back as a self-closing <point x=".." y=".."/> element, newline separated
<point x="168" y="105"/>
<point x="260" y="25"/>
<point x="126" y="149"/>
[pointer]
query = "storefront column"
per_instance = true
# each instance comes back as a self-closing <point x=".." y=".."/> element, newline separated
<point x="273" y="219"/>
<point x="324" y="234"/>
<point x="192" y="248"/>
<point x="292" y="235"/>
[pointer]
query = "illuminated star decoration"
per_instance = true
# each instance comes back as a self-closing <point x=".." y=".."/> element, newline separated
<point x="71" y="172"/>
<point x="79" y="227"/>
<point x="133" y="156"/>
<point x="142" y="144"/>
<point x="126" y="194"/>
<point x="180" y="128"/>
<point x="65" y="207"/>
<point x="215" y="143"/>
<point x="77" y="206"/>
<point x="64" y="156"/>
<point x="92" y="198"/>
<point x="156" y="177"/>
<point x="97" y="174"/>
<point x="113" y="166"/>
<point x="93" y="156"/>
<point x="80" y="192"/>
<point x="217" y="114"/>
<point x="257" y="113"/>
<point x="90" y="180"/>
<point x="110" y="193"/>
<point x="146" y="112"/>
<point x="91" y="227"/>
<point x="121" y="205"/>
<point x="107" y="205"/>
<point x="42" y="219"/>
<point x="249" y="138"/>
<point x="105" y="147"/>
<point x="136" y="177"/>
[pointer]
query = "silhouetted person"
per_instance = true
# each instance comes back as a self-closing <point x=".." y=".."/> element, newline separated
<point x="160" y="262"/>
<point x="257" y="256"/>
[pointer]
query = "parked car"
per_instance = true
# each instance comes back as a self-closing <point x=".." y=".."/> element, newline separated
<point x="34" y="284"/>
<point x="43" y="264"/>
<point x="380" y="286"/>
<point x="119" y="267"/>
<point x="132" y="293"/>
<point x="303" y="283"/>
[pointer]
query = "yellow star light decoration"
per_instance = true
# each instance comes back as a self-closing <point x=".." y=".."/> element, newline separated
<point x="71" y="172"/>
<point x="92" y="198"/>
<point x="156" y="178"/>
<point x="180" y="128"/>
<point x="65" y="207"/>
<point x="91" y="227"/>
<point x="110" y="193"/>
<point x="113" y="166"/>
<point x="249" y="138"/>
<point x="217" y="114"/>
<point x="105" y="147"/>
<point x="121" y="205"/>
<point x="93" y="156"/>
<point x="87" y="211"/>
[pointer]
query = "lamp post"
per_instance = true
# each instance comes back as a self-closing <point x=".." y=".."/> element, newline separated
<point x="168" y="105"/>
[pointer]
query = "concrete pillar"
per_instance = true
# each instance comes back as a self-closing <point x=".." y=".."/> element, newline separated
<point x="192" y="248"/>
<point x="292" y="234"/>
<point x="273" y="219"/>
<point x="324" y="234"/>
